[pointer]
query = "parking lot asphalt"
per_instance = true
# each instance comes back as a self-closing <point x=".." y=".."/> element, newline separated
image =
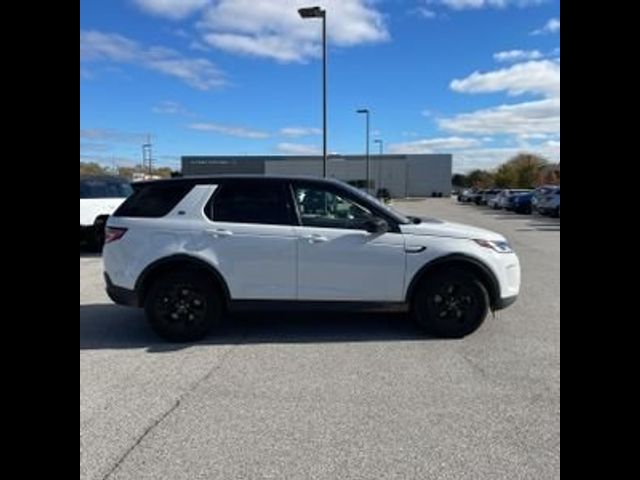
<point x="318" y="396"/>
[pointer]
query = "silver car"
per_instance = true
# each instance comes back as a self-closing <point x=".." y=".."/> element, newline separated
<point x="501" y="200"/>
<point x="550" y="203"/>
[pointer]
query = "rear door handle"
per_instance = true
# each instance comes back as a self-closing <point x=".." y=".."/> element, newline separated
<point x="220" y="232"/>
<point x="315" y="238"/>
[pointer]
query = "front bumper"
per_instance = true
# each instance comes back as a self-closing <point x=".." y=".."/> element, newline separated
<point x="502" y="303"/>
<point x="119" y="295"/>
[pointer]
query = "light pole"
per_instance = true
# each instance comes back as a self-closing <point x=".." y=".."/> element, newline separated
<point x="379" y="142"/>
<point x="366" y="112"/>
<point x="317" y="12"/>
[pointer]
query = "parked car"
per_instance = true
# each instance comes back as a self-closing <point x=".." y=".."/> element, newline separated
<point x="187" y="249"/>
<point x="488" y="195"/>
<point x="492" y="201"/>
<point x="466" y="195"/>
<point x="540" y="193"/>
<point x="502" y="199"/>
<point x="520" y="203"/>
<point x="99" y="197"/>
<point x="477" y="197"/>
<point x="550" y="203"/>
<point x="383" y="194"/>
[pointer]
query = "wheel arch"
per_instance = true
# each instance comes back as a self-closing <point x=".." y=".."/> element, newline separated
<point x="471" y="264"/>
<point x="175" y="263"/>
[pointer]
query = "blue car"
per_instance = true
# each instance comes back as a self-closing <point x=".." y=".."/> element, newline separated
<point x="520" y="203"/>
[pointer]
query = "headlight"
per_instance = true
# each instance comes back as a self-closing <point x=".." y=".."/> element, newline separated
<point x="498" y="246"/>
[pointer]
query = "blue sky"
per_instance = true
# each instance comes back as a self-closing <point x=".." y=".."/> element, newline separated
<point x="476" y="78"/>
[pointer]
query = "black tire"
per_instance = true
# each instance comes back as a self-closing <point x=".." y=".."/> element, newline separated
<point x="97" y="238"/>
<point x="183" y="306"/>
<point x="450" y="304"/>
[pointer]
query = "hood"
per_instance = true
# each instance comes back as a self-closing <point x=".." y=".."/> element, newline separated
<point x="439" y="228"/>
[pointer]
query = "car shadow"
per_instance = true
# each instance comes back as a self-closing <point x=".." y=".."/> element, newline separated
<point x="109" y="326"/>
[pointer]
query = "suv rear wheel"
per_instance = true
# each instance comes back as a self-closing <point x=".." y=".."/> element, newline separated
<point x="183" y="306"/>
<point x="451" y="305"/>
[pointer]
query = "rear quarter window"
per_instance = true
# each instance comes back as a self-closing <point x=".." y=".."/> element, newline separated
<point x="153" y="201"/>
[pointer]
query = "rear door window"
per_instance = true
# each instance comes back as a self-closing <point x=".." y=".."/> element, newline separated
<point x="252" y="202"/>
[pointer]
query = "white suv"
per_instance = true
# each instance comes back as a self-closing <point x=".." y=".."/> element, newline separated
<point x="187" y="249"/>
<point x="99" y="198"/>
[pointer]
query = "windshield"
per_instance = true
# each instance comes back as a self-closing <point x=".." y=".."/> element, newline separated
<point x="397" y="216"/>
<point x="95" y="188"/>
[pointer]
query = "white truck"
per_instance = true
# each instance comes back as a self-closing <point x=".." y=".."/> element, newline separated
<point x="100" y="196"/>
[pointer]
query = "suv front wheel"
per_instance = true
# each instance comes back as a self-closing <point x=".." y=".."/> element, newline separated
<point x="183" y="306"/>
<point x="451" y="304"/>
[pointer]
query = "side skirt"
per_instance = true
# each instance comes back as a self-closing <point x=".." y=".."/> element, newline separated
<point x="306" y="306"/>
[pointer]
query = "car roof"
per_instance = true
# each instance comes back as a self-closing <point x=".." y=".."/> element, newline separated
<point x="210" y="179"/>
<point x="103" y="178"/>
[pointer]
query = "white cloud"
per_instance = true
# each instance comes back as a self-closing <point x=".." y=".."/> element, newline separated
<point x="297" y="149"/>
<point x="538" y="77"/>
<point x="85" y="74"/>
<point x="230" y="130"/>
<point x="487" y="158"/>
<point x="423" y="12"/>
<point x="171" y="108"/>
<point x="535" y="136"/>
<point x="300" y="131"/>
<point x="517" y="55"/>
<point x="552" y="26"/>
<point x="111" y="135"/>
<point x="172" y="9"/>
<point x="196" y="45"/>
<point x="275" y="30"/>
<point x="91" y="147"/>
<point x="477" y="4"/>
<point x="198" y="73"/>
<point x="433" y="145"/>
<point x="541" y="116"/>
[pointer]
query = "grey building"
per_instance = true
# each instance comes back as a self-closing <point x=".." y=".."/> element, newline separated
<point x="402" y="175"/>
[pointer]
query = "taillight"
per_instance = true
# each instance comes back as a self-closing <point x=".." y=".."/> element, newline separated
<point x="111" y="234"/>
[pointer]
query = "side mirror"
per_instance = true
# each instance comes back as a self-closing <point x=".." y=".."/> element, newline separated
<point x="376" y="225"/>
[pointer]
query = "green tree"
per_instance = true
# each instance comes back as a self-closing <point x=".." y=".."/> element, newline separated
<point x="92" y="168"/>
<point x="527" y="167"/>
<point x="459" y="180"/>
<point x="506" y="176"/>
<point x="480" y="178"/>
<point x="127" y="172"/>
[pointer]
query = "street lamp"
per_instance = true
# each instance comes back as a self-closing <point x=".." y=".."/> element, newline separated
<point x="379" y="142"/>
<point x="317" y="12"/>
<point x="366" y="112"/>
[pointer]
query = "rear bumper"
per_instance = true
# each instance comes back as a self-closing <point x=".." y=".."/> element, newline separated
<point x="504" y="302"/>
<point x="119" y="295"/>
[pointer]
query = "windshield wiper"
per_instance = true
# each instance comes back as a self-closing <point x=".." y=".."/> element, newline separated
<point x="415" y="220"/>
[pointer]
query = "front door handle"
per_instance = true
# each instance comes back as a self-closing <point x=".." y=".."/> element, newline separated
<point x="315" y="238"/>
<point x="220" y="232"/>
